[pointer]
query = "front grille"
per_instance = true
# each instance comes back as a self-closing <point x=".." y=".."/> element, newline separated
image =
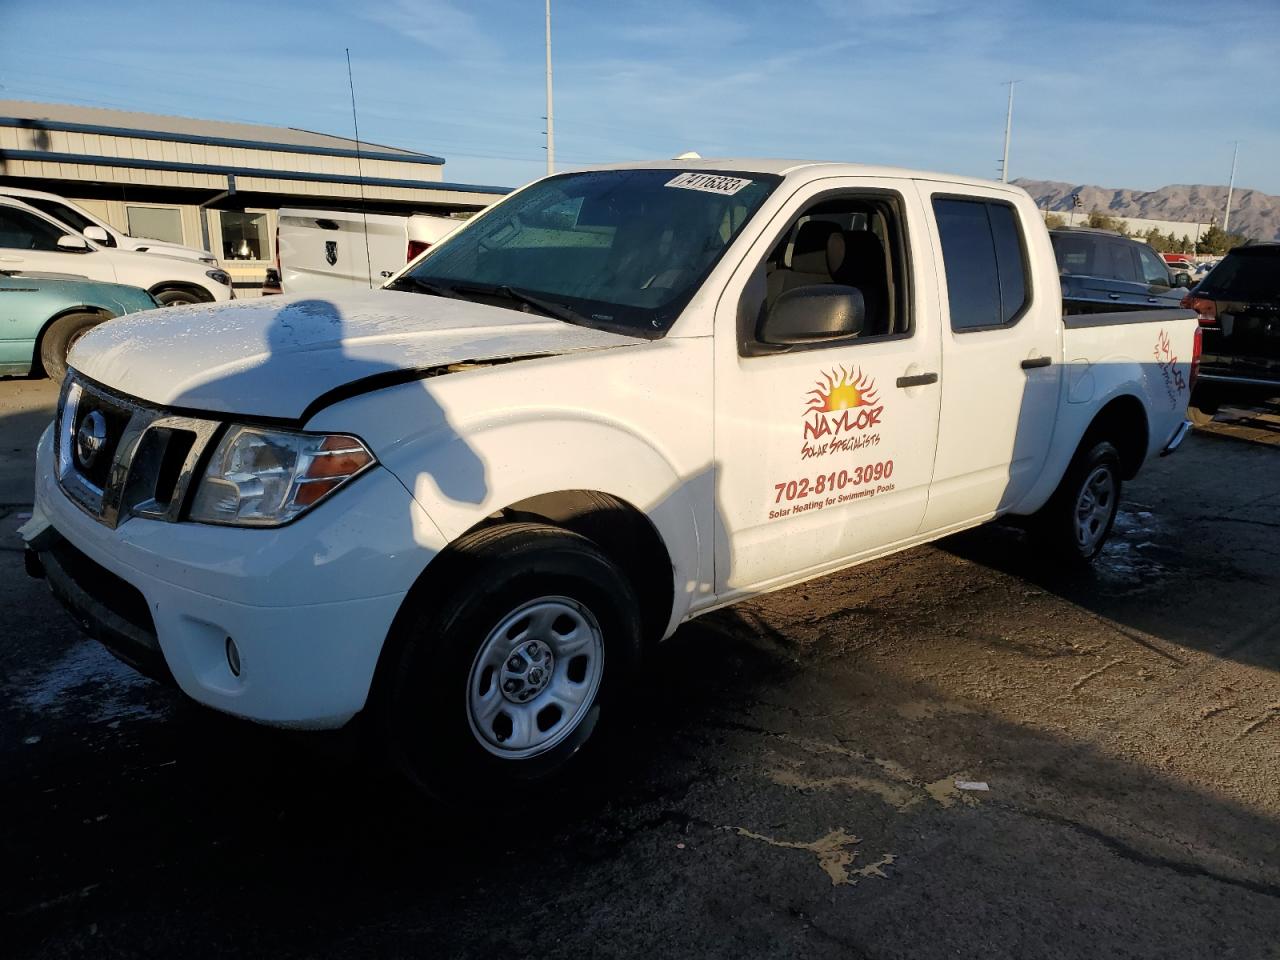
<point x="118" y="457"/>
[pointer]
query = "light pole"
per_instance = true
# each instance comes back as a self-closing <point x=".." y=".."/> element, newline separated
<point x="1008" y="129"/>
<point x="551" y="122"/>
<point x="1226" y="217"/>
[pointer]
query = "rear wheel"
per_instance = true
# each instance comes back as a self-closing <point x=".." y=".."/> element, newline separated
<point x="176" y="298"/>
<point x="507" y="667"/>
<point x="1078" y="518"/>
<point x="60" y="337"/>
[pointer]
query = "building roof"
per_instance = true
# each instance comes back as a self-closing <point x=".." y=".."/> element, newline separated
<point x="149" y="126"/>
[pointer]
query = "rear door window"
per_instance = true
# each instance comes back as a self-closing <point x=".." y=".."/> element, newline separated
<point x="985" y="261"/>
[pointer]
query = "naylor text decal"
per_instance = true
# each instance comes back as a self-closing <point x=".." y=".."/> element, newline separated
<point x="1175" y="384"/>
<point x="840" y="412"/>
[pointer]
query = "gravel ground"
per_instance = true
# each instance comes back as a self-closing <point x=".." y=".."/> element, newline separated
<point x="788" y="786"/>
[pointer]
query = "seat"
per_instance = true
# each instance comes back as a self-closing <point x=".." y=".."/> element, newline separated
<point x="856" y="259"/>
<point x="809" y="260"/>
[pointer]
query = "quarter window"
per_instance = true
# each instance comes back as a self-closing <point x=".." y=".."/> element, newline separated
<point x="985" y="263"/>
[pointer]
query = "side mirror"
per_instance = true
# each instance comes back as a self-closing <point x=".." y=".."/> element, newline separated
<point x="72" y="244"/>
<point x="1182" y="279"/>
<point x="815" y="314"/>
<point x="96" y="234"/>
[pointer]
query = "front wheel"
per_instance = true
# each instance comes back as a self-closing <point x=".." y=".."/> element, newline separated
<point x="507" y="662"/>
<point x="176" y="298"/>
<point x="60" y="337"/>
<point x="1078" y="518"/>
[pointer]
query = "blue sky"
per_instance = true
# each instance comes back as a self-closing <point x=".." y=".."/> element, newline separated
<point x="1119" y="93"/>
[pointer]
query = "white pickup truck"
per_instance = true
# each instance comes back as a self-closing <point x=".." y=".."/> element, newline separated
<point x="618" y="399"/>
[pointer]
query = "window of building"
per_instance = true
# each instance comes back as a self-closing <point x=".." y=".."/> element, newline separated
<point x="244" y="235"/>
<point x="986" y="269"/>
<point x="155" y="223"/>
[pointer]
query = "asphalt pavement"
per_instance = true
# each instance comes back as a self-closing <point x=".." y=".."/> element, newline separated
<point x="952" y="752"/>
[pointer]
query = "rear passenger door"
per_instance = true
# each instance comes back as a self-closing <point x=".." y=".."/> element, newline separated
<point x="1001" y="352"/>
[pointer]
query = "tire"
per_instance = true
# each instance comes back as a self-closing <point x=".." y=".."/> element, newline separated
<point x="466" y="712"/>
<point x="58" y="339"/>
<point x="176" y="298"/>
<point x="1075" y="523"/>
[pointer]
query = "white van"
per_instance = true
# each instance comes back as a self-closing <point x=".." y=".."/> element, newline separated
<point x="326" y="250"/>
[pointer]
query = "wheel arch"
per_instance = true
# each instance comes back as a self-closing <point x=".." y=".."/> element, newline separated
<point x="1123" y="421"/>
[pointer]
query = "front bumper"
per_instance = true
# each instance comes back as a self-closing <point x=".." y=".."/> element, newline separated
<point x="308" y="605"/>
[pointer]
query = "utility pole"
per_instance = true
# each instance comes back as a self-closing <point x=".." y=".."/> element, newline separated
<point x="1008" y="129"/>
<point x="551" y="122"/>
<point x="1226" y="217"/>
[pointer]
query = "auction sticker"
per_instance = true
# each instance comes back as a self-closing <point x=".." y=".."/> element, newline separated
<point x="708" y="183"/>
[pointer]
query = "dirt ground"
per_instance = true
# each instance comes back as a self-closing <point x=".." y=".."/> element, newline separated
<point x="788" y="786"/>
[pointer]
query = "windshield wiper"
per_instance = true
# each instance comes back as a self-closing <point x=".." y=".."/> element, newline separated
<point x="549" y="307"/>
<point x="426" y="286"/>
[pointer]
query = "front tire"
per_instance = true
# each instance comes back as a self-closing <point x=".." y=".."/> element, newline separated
<point x="508" y="662"/>
<point x="1075" y="523"/>
<point x="60" y="337"/>
<point x="176" y="298"/>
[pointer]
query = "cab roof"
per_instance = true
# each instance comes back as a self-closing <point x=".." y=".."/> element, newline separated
<point x="807" y="169"/>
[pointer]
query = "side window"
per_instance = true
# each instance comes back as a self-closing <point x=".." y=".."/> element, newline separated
<point x="1123" y="263"/>
<point x="1154" y="270"/>
<point x="982" y="253"/>
<point x="854" y="240"/>
<point x="25" y="231"/>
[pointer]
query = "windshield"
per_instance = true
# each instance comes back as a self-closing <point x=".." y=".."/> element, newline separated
<point x="622" y="250"/>
<point x="1247" y="274"/>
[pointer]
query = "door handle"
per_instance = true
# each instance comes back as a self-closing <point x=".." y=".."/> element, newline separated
<point x="1114" y="296"/>
<point x="919" y="380"/>
<point x="1153" y="300"/>
<point x="1032" y="362"/>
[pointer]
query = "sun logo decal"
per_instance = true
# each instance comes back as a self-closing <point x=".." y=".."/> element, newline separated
<point x="841" y="390"/>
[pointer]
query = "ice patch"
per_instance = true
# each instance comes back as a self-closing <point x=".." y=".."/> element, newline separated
<point x="1129" y="558"/>
<point x="86" y="679"/>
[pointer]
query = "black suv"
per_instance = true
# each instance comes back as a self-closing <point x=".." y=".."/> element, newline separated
<point x="1239" y="307"/>
<point x="1102" y="271"/>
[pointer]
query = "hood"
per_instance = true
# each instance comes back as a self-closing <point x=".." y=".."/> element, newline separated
<point x="160" y="248"/>
<point x="272" y="356"/>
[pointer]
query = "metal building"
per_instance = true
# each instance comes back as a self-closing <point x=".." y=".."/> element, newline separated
<point x="212" y="184"/>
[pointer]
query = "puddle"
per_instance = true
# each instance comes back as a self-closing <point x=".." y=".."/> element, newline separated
<point x="835" y="855"/>
<point x="1131" y="558"/>
<point x="88" y="681"/>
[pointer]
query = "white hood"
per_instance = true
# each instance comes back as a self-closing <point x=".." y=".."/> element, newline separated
<point x="272" y="356"/>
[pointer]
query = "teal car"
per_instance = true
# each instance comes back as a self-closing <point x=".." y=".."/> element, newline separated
<point x="42" y="316"/>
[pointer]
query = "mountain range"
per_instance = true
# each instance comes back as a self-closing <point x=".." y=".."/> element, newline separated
<point x="1254" y="214"/>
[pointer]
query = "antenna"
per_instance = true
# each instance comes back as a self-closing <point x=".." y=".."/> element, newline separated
<point x="551" y="123"/>
<point x="364" y="215"/>
<point x="1008" y="129"/>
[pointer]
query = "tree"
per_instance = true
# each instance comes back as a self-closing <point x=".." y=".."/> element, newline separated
<point x="1216" y="241"/>
<point x="1054" y="221"/>
<point x="1100" y="221"/>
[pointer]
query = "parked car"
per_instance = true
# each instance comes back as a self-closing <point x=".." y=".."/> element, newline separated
<point x="1102" y="271"/>
<point x="41" y="318"/>
<point x="99" y="231"/>
<point x="618" y="399"/>
<point x="33" y="242"/>
<point x="319" y="251"/>
<point x="1239" y="308"/>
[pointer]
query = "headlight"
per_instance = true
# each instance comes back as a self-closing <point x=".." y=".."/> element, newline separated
<point x="212" y="260"/>
<point x="263" y="478"/>
<point x="219" y="276"/>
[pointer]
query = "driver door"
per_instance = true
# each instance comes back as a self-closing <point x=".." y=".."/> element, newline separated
<point x="824" y="452"/>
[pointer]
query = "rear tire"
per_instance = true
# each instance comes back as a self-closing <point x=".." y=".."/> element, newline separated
<point x="508" y="662"/>
<point x="1075" y="523"/>
<point x="176" y="298"/>
<point x="60" y="337"/>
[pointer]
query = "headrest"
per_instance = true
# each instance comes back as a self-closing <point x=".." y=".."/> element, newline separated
<point x="809" y="252"/>
<point x="855" y="253"/>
